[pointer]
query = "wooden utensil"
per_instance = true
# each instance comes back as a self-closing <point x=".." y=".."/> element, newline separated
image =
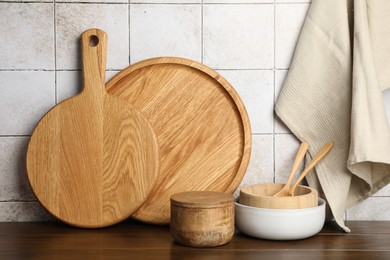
<point x="93" y="159"/>
<point x="202" y="218"/>
<point x="317" y="158"/>
<point x="201" y="124"/>
<point x="298" y="159"/>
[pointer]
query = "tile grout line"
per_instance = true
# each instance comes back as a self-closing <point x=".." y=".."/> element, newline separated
<point x="13" y="201"/>
<point x="261" y="69"/>
<point x="43" y="70"/>
<point x="117" y="69"/>
<point x="128" y="24"/>
<point x="55" y="53"/>
<point x="18" y="70"/>
<point x="7" y="136"/>
<point x="273" y="96"/>
<point x="202" y="33"/>
<point x="62" y="2"/>
<point x="150" y="3"/>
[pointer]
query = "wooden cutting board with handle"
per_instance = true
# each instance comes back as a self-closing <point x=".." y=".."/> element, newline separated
<point x="93" y="159"/>
<point x="201" y="125"/>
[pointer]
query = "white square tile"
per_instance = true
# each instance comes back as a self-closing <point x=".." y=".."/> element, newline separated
<point x="374" y="208"/>
<point x="27" y="36"/>
<point x="286" y="148"/>
<point x="384" y="192"/>
<point x="165" y="30"/>
<point x="255" y="87"/>
<point x="260" y="169"/>
<point x="70" y="83"/>
<point x="13" y="177"/>
<point x="23" y="212"/>
<point x="289" y="20"/>
<point x="73" y="19"/>
<point x="238" y="1"/>
<point x="280" y="75"/>
<point x="238" y="36"/>
<point x="25" y="97"/>
<point x="386" y="100"/>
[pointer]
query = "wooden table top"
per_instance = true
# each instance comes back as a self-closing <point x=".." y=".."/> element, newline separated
<point x="133" y="240"/>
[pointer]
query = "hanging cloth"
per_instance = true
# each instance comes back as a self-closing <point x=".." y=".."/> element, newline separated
<point x="333" y="92"/>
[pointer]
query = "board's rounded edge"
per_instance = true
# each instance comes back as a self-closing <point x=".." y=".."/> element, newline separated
<point x="141" y="216"/>
<point x="76" y="224"/>
<point x="228" y="87"/>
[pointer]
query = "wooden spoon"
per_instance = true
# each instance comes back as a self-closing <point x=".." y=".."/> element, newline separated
<point x="298" y="159"/>
<point x="319" y="156"/>
<point x="93" y="159"/>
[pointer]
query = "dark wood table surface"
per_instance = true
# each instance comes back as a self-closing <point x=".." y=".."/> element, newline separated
<point x="133" y="240"/>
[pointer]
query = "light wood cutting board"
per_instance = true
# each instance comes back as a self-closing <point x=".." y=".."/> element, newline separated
<point x="93" y="159"/>
<point x="201" y="124"/>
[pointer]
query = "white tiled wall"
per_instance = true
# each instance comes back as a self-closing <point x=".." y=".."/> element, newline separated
<point x="249" y="42"/>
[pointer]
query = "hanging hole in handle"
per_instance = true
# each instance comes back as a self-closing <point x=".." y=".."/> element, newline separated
<point x="93" y="40"/>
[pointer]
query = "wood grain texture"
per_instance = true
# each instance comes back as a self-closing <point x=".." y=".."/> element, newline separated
<point x="261" y="196"/>
<point x="128" y="240"/>
<point x="93" y="159"/>
<point x="201" y="124"/>
<point x="202" y="218"/>
<point x="202" y="199"/>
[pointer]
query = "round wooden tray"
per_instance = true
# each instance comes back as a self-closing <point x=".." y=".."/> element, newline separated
<point x="201" y="125"/>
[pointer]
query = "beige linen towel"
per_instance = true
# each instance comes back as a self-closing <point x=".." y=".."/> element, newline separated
<point x="333" y="92"/>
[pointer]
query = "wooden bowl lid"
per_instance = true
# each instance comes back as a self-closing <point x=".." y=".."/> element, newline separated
<point x="202" y="199"/>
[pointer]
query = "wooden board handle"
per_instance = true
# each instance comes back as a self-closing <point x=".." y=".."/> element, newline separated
<point x="94" y="53"/>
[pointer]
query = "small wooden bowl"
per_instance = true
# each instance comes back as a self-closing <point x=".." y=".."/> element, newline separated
<point x="260" y="196"/>
<point x="202" y="218"/>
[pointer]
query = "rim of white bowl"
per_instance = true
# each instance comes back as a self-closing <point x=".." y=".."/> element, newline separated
<point x="321" y="203"/>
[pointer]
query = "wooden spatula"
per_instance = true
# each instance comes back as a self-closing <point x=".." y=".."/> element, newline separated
<point x="289" y="190"/>
<point x="298" y="159"/>
<point x="92" y="159"/>
<point x="317" y="158"/>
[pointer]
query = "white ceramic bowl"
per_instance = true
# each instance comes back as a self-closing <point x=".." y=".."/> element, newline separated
<point x="280" y="224"/>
